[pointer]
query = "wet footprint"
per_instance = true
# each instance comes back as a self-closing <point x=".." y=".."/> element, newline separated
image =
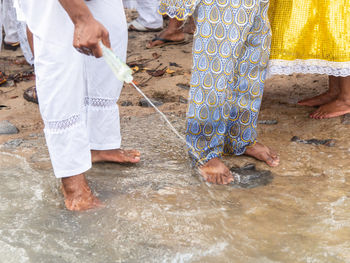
<point x="248" y="177"/>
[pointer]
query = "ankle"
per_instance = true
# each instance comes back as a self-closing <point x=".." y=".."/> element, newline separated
<point x="344" y="99"/>
<point x="96" y="155"/>
<point x="251" y="147"/>
<point x="74" y="184"/>
<point x="332" y="92"/>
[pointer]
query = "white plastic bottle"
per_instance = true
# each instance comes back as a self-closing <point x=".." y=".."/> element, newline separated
<point x="119" y="68"/>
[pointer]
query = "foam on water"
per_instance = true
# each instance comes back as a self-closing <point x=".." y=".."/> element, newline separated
<point x="12" y="254"/>
<point x="197" y="255"/>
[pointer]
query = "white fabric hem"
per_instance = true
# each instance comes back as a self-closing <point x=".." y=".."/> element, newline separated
<point x="69" y="173"/>
<point x="102" y="147"/>
<point x="309" y="66"/>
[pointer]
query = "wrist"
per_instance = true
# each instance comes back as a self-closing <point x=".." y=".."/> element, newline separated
<point x="81" y="18"/>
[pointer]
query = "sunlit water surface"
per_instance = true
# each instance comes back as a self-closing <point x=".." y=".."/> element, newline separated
<point x="160" y="211"/>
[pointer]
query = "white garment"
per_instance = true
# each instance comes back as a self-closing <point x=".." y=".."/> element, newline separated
<point x="23" y="40"/>
<point x="148" y="12"/>
<point x="9" y="21"/>
<point x="77" y="93"/>
<point x="21" y="30"/>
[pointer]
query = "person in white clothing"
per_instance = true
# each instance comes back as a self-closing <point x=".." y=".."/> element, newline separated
<point x="9" y="22"/>
<point x="149" y="19"/>
<point x="78" y="93"/>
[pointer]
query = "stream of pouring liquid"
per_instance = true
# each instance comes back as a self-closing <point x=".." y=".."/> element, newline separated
<point x="124" y="73"/>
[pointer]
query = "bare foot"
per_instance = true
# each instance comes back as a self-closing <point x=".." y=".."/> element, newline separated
<point x="173" y="34"/>
<point x="116" y="156"/>
<point x="319" y="100"/>
<point x="263" y="153"/>
<point x="333" y="109"/>
<point x="216" y="172"/>
<point x="77" y="194"/>
<point x="339" y="106"/>
<point x="326" y="97"/>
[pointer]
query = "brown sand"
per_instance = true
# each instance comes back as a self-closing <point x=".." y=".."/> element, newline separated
<point x="279" y="102"/>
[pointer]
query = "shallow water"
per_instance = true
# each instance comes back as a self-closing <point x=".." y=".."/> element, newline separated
<point x="160" y="210"/>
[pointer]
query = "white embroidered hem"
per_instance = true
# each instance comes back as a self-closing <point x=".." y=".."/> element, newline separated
<point x="63" y="126"/>
<point x="309" y="66"/>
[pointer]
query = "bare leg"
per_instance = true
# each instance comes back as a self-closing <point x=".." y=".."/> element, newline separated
<point x="326" y="97"/>
<point x="173" y="32"/>
<point x="77" y="194"/>
<point x="338" y="107"/>
<point x="263" y="153"/>
<point x="117" y="156"/>
<point x="190" y="26"/>
<point x="30" y="40"/>
<point x="216" y="172"/>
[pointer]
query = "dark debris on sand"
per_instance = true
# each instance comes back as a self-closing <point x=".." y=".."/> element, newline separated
<point x="327" y="142"/>
<point x="249" y="177"/>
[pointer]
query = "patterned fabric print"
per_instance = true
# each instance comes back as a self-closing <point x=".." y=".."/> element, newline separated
<point x="230" y="55"/>
<point x="179" y="9"/>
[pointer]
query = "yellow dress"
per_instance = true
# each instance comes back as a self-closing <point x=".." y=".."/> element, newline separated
<point x="310" y="36"/>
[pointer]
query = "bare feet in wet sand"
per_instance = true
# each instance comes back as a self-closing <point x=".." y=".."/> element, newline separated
<point x="263" y="153"/>
<point x="77" y="194"/>
<point x="326" y="97"/>
<point x="333" y="109"/>
<point x="339" y="106"/>
<point x="216" y="172"/>
<point x="116" y="156"/>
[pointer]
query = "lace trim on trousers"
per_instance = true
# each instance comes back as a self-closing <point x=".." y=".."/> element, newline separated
<point x="61" y="126"/>
<point x="58" y="127"/>
<point x="310" y="66"/>
<point x="99" y="103"/>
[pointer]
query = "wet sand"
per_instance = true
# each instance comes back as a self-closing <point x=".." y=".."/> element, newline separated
<point x="160" y="210"/>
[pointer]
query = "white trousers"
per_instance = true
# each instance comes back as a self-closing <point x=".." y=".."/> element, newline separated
<point x="77" y="93"/>
<point x="148" y="12"/>
<point x="9" y="21"/>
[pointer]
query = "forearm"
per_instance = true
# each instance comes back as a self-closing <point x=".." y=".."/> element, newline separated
<point x="77" y="10"/>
